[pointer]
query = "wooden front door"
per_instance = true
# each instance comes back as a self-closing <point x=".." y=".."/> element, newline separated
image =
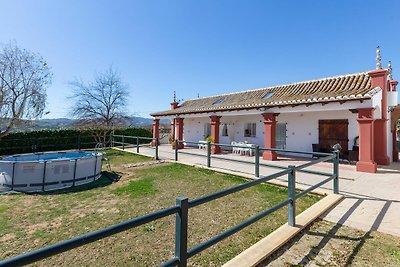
<point x="333" y="132"/>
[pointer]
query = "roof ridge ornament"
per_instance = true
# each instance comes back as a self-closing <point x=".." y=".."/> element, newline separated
<point x="390" y="71"/>
<point x="174" y="96"/>
<point x="378" y="58"/>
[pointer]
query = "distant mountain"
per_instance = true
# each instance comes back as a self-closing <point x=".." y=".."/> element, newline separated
<point x="31" y="125"/>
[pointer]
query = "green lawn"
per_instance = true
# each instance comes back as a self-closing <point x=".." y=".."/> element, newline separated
<point x="33" y="221"/>
<point x="121" y="157"/>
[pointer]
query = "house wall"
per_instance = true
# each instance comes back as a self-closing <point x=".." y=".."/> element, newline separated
<point x="302" y="128"/>
<point x="193" y="128"/>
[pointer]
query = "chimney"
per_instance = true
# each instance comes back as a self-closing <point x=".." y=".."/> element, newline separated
<point x="174" y="104"/>
<point x="379" y="79"/>
<point x="393" y="85"/>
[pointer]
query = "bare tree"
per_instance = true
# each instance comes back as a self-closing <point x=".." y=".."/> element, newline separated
<point x="24" y="77"/>
<point x="100" y="104"/>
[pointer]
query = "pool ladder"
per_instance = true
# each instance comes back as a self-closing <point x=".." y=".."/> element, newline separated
<point x="100" y="146"/>
<point x="105" y="157"/>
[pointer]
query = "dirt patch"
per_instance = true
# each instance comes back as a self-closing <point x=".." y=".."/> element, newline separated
<point x="329" y="244"/>
<point x="143" y="164"/>
<point x="7" y="237"/>
<point x="30" y="229"/>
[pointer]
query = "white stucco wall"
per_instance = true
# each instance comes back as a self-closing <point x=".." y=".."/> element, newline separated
<point x="193" y="128"/>
<point x="302" y="128"/>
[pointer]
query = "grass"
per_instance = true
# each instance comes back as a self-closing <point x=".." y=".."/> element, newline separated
<point x="136" y="189"/>
<point x="32" y="221"/>
<point x="121" y="157"/>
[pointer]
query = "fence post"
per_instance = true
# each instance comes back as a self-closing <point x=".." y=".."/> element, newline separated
<point x="291" y="195"/>
<point x="123" y="142"/>
<point x="208" y="154"/>
<point x="137" y="144"/>
<point x="34" y="145"/>
<point x="79" y="143"/>
<point x="336" y="172"/>
<point x="73" y="181"/>
<point x="44" y="175"/>
<point x="157" y="148"/>
<point x="181" y="229"/>
<point x="257" y="161"/>
<point x="112" y="137"/>
<point x="12" y="177"/>
<point x="176" y="149"/>
<point x="95" y="168"/>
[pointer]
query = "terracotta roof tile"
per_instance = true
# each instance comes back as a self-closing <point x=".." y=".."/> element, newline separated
<point x="339" y="88"/>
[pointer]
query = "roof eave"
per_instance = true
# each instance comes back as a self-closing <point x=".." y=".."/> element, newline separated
<point x="251" y="107"/>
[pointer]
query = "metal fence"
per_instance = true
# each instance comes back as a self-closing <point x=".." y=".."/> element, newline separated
<point x="321" y="157"/>
<point x="42" y="144"/>
<point x="183" y="204"/>
<point x="137" y="142"/>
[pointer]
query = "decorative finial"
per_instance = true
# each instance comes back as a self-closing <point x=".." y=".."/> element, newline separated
<point x="378" y="58"/>
<point x="390" y="76"/>
<point x="174" y="96"/>
<point x="198" y="95"/>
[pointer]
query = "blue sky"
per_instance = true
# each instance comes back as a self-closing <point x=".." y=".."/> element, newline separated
<point x="200" y="47"/>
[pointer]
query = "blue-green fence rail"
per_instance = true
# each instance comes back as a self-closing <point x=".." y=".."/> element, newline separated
<point x="42" y="144"/>
<point x="181" y="209"/>
<point x="126" y="141"/>
<point x="257" y="150"/>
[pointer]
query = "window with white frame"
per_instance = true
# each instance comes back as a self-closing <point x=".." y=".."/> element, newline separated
<point x="207" y="130"/>
<point x="250" y="129"/>
<point x="225" y="129"/>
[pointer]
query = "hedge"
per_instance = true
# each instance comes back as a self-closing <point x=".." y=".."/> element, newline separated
<point x="47" y="140"/>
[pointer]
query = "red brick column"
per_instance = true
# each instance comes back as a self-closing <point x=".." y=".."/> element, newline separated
<point x="269" y="135"/>
<point x="394" y="145"/>
<point x="215" y="123"/>
<point x="366" y="161"/>
<point x="395" y="152"/>
<point x="379" y="79"/>
<point x="380" y="142"/>
<point x="172" y="135"/>
<point x="179" y="131"/>
<point x="156" y="130"/>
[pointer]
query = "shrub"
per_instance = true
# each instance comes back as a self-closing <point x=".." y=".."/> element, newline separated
<point x="47" y="140"/>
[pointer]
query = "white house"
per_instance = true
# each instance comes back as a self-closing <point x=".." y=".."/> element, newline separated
<point x="352" y="110"/>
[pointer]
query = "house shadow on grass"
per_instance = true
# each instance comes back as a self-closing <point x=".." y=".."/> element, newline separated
<point x="329" y="235"/>
<point x="106" y="179"/>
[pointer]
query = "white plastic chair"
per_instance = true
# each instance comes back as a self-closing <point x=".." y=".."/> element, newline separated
<point x="240" y="149"/>
<point x="250" y="149"/>
<point x="234" y="149"/>
<point x="202" y="145"/>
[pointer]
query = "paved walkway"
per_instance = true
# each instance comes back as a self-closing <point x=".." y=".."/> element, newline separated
<point x="372" y="201"/>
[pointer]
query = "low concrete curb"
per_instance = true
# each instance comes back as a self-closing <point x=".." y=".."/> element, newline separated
<point x="265" y="247"/>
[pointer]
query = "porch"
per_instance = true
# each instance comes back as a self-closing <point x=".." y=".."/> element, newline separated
<point x="301" y="129"/>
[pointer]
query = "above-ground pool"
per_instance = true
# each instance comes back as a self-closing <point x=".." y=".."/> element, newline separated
<point x="48" y="171"/>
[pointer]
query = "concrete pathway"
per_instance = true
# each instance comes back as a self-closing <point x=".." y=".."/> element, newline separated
<point x="371" y="201"/>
